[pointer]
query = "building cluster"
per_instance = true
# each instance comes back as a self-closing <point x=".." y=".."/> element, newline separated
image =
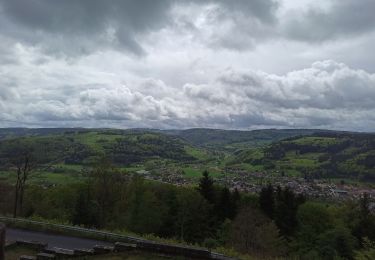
<point x="320" y="188"/>
<point x="253" y="182"/>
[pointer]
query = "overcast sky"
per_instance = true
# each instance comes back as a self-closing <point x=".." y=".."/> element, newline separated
<point x="232" y="64"/>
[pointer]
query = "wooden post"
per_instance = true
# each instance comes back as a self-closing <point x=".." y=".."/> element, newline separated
<point x="2" y="241"/>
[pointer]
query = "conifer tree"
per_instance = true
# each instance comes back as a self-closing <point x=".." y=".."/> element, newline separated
<point x="267" y="200"/>
<point x="206" y="187"/>
<point x="225" y="205"/>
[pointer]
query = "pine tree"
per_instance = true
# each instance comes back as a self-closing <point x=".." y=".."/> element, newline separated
<point x="365" y="222"/>
<point x="85" y="211"/>
<point x="267" y="200"/>
<point x="236" y="199"/>
<point x="225" y="206"/>
<point x="80" y="214"/>
<point x="206" y="187"/>
<point x="364" y="203"/>
<point x="285" y="214"/>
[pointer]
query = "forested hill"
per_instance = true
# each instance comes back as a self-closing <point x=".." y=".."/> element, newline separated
<point x="7" y="133"/>
<point x="203" y="137"/>
<point x="314" y="153"/>
<point x="236" y="139"/>
<point x="330" y="154"/>
<point x="87" y="146"/>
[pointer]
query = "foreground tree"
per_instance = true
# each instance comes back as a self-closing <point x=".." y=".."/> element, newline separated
<point x="321" y="235"/>
<point x="105" y="182"/>
<point x="227" y="204"/>
<point x="24" y="162"/>
<point x="267" y="200"/>
<point x="368" y="251"/>
<point x="145" y="211"/>
<point x="253" y="233"/>
<point x="364" y="223"/>
<point x="206" y="187"/>
<point x="2" y="241"/>
<point x="193" y="218"/>
<point x="85" y="210"/>
<point x="286" y="206"/>
<point x="6" y="198"/>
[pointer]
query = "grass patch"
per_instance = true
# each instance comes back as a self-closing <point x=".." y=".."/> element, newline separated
<point x="302" y="162"/>
<point x="70" y="167"/>
<point x="317" y="141"/>
<point x="132" y="168"/>
<point x="55" y="178"/>
<point x="95" y="140"/>
<point x="249" y="167"/>
<point x="196" y="153"/>
<point x="42" y="177"/>
<point x="192" y="172"/>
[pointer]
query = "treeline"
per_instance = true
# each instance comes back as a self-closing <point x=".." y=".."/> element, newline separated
<point x="277" y="223"/>
<point x="339" y="154"/>
<point x="138" y="147"/>
<point x="315" y="230"/>
<point x="85" y="148"/>
<point x="358" y="143"/>
<point x="112" y="199"/>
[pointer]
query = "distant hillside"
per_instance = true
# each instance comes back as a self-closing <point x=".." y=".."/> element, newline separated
<point x="210" y="138"/>
<point x="331" y="154"/>
<point x="86" y="146"/>
<point x="310" y="153"/>
<point x="234" y="139"/>
<point x="6" y="133"/>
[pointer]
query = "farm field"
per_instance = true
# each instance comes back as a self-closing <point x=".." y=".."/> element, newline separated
<point x="68" y="157"/>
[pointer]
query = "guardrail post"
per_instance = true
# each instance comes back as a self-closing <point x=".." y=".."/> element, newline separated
<point x="2" y="241"/>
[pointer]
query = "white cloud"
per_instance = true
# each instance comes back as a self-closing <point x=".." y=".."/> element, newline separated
<point x="229" y="64"/>
<point x="60" y="92"/>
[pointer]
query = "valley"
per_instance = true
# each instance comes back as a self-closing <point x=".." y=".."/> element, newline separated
<point x="313" y="162"/>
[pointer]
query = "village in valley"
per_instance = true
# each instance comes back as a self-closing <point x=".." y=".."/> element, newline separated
<point x="253" y="182"/>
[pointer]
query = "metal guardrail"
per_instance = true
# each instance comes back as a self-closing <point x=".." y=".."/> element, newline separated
<point x="104" y="234"/>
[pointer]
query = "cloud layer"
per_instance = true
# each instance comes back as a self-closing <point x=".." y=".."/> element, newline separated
<point x="178" y="64"/>
<point x="326" y="95"/>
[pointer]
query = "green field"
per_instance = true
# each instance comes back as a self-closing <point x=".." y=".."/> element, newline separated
<point x="66" y="157"/>
<point x="316" y="141"/>
<point x="343" y="156"/>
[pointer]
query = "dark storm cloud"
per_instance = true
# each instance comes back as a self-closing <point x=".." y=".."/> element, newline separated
<point x="264" y="10"/>
<point x="80" y="20"/>
<point x="88" y="16"/>
<point x="343" y="18"/>
<point x="82" y="26"/>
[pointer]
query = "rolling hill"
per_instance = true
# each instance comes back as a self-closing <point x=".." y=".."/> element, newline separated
<point x="231" y="140"/>
<point x="330" y="154"/>
<point x="309" y="153"/>
<point x="216" y="139"/>
<point x="85" y="147"/>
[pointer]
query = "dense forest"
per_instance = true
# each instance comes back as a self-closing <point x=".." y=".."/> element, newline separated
<point x="229" y="140"/>
<point x="85" y="147"/>
<point x="232" y="140"/>
<point x="275" y="223"/>
<point x="320" y="155"/>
